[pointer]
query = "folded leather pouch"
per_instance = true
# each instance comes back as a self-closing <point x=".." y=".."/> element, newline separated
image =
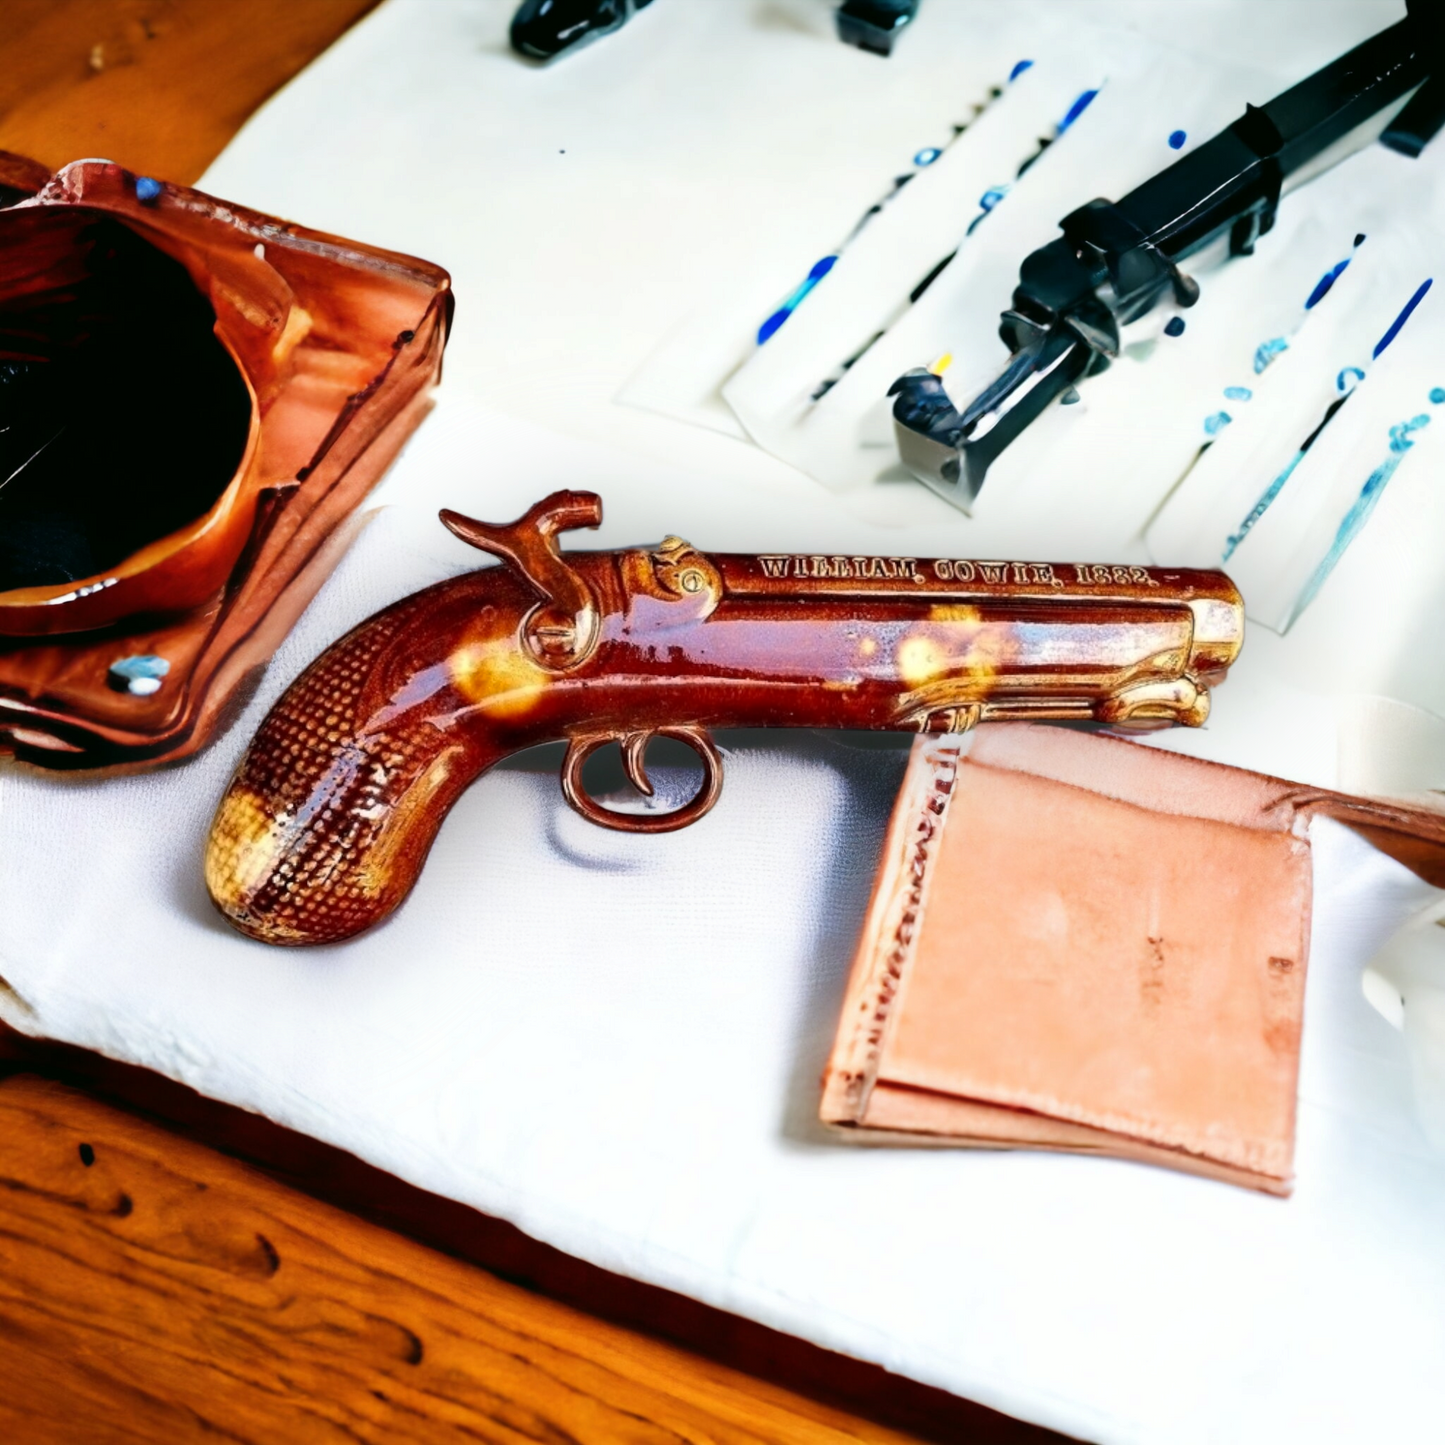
<point x="194" y="398"/>
<point x="1082" y="944"/>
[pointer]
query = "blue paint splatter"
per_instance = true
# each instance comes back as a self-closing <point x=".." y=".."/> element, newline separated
<point x="1359" y="514"/>
<point x="1077" y="109"/>
<point x="1260" y="507"/>
<point x="1238" y="393"/>
<point x="1349" y="379"/>
<point x="1177" y="139"/>
<point x="1403" y="317"/>
<point x="1174" y="326"/>
<point x="1266" y="352"/>
<point x="1437" y="394"/>
<point x="146" y="189"/>
<point x="927" y="156"/>
<point x="987" y="201"/>
<point x="1019" y="69"/>
<point x="1322" y="286"/>
<point x="820" y="269"/>
<point x="1216" y="423"/>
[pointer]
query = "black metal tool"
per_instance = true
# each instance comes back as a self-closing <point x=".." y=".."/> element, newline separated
<point x="874" y="24"/>
<point x="1116" y="260"/>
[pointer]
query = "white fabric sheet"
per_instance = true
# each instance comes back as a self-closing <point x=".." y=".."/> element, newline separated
<point x="613" y="1041"/>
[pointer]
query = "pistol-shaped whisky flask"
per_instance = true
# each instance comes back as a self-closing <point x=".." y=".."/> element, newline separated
<point x="329" y="817"/>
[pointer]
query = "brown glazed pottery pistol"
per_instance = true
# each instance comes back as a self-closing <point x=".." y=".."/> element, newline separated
<point x="328" y="820"/>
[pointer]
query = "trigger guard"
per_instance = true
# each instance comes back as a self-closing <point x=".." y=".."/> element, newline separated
<point x="633" y="744"/>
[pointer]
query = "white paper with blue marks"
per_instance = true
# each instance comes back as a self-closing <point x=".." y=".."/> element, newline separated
<point x="615" y="1042"/>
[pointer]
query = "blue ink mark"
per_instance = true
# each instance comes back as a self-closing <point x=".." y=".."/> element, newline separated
<point x="1403" y="317"/>
<point x="1177" y="139"/>
<point x="1437" y="394"/>
<point x="1260" y="507"/>
<point x="1174" y="326"/>
<point x="141" y="676"/>
<point x="1216" y="423"/>
<point x="1365" y="503"/>
<point x="1322" y="286"/>
<point x="1359" y="238"/>
<point x="1349" y="379"/>
<point x="1019" y="69"/>
<point x="1077" y="109"/>
<point x="146" y="189"/>
<point x="927" y="156"/>
<point x="988" y="200"/>
<point x="1238" y="393"/>
<point x="820" y="269"/>
<point x="1266" y="352"/>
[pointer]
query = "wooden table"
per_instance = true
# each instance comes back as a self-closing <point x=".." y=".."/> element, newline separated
<point x="152" y="1287"/>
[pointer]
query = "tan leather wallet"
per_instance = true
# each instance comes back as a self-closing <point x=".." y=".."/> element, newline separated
<point x="1084" y="944"/>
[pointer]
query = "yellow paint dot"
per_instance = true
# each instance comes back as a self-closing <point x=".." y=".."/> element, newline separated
<point x="920" y="660"/>
<point x="942" y="364"/>
<point x="497" y="676"/>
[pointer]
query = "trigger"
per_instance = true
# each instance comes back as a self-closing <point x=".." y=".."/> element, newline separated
<point x="634" y="748"/>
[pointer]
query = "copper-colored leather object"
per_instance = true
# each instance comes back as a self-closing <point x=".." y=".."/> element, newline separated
<point x="1081" y="944"/>
<point x="225" y="387"/>
<point x="333" y="808"/>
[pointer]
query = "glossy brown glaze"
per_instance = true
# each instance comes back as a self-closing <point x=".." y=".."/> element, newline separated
<point x="336" y="347"/>
<point x="333" y="808"/>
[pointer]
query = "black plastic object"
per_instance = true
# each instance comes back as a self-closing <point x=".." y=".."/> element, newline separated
<point x="1115" y="261"/>
<point x="874" y="24"/>
<point x="544" y="29"/>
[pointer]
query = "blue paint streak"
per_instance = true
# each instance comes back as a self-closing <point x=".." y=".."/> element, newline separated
<point x="1019" y="69"/>
<point x="1216" y="423"/>
<point x="1266" y="352"/>
<point x="1359" y="514"/>
<point x="927" y="156"/>
<point x="146" y="189"/>
<point x="1402" y="318"/>
<point x="1077" y="109"/>
<point x="1260" y="507"/>
<point x="771" y="325"/>
<point x="1238" y="393"/>
<point x="1322" y="286"/>
<point x="1177" y="139"/>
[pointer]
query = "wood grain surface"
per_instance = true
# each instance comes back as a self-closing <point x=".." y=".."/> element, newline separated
<point x="158" y="85"/>
<point x="151" y="1289"/>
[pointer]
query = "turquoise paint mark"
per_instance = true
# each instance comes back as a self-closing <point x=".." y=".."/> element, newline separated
<point x="1216" y="423"/>
<point x="1437" y="394"/>
<point x="771" y="325"/>
<point x="1266" y="352"/>
<point x="1260" y="507"/>
<point x="1359" y="513"/>
<point x="1238" y="393"/>
<point x="1349" y="379"/>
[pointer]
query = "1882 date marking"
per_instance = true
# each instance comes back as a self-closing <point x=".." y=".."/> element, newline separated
<point x="909" y="569"/>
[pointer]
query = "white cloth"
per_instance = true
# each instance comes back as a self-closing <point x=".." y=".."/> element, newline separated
<point x="613" y="1041"/>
